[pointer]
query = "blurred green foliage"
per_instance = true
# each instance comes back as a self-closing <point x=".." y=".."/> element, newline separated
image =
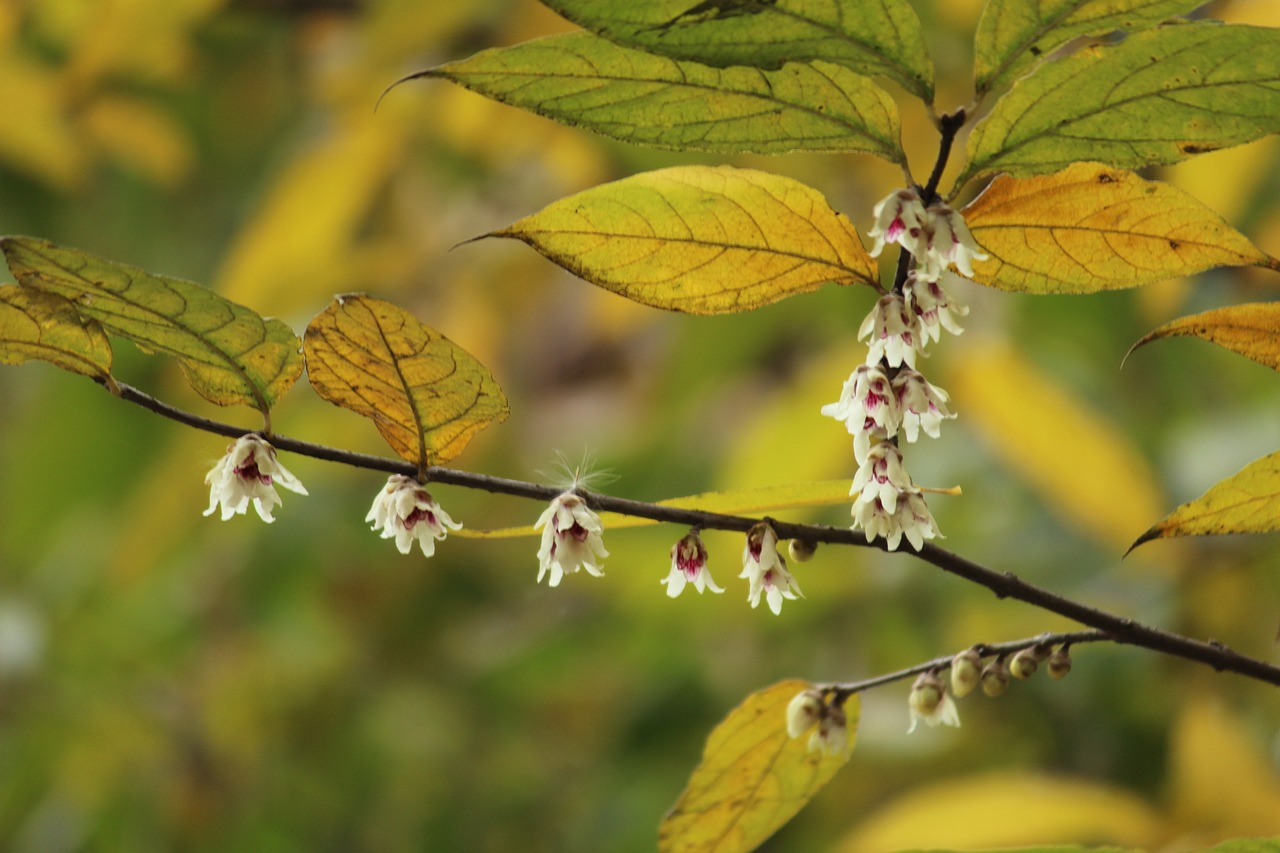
<point x="170" y="682"/>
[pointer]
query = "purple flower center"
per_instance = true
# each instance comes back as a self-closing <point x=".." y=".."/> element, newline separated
<point x="417" y="515"/>
<point x="249" y="471"/>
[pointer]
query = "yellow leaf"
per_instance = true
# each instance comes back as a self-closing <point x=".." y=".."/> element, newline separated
<point x="46" y="327"/>
<point x="701" y="239"/>
<point x="1246" y="502"/>
<point x="1006" y="810"/>
<point x="229" y="354"/>
<point x="426" y="395"/>
<point x="753" y="777"/>
<point x="751" y="501"/>
<point x="1090" y="228"/>
<point x="1082" y="464"/>
<point x="1252" y="330"/>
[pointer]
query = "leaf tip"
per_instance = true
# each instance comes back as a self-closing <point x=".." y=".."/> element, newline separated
<point x="1154" y="533"/>
<point x="429" y="72"/>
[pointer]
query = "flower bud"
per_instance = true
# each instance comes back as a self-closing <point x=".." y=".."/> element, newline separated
<point x="802" y="550"/>
<point x="966" y="673"/>
<point x="1024" y="664"/>
<point x="832" y="734"/>
<point x="995" y="678"/>
<point x="803" y="711"/>
<point x="926" y="694"/>
<point x="1060" y="663"/>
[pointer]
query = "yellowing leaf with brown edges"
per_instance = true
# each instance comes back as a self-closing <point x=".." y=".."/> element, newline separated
<point x="1090" y="228"/>
<point x="1251" y="330"/>
<point x="1246" y="502"/>
<point x="426" y="395"/>
<point x="701" y="239"/>
<point x="753" y="777"/>
<point x="39" y="326"/>
<point x="229" y="354"/>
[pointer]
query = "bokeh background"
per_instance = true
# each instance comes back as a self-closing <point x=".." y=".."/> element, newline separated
<point x="172" y="682"/>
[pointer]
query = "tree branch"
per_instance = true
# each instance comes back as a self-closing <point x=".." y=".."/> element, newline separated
<point x="1118" y="629"/>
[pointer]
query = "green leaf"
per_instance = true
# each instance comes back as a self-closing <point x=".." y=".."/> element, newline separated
<point x="753" y="777"/>
<point x="1250" y="330"/>
<point x="1090" y="228"/>
<point x="39" y="326"/>
<point x="585" y="81"/>
<point x="1246" y="502"/>
<point x="753" y="501"/>
<point x="229" y="354"/>
<point x="701" y="239"/>
<point x="874" y="37"/>
<point x="1158" y="97"/>
<point x="1015" y="34"/>
<point x="425" y="394"/>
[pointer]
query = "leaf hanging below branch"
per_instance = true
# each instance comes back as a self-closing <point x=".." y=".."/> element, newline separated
<point x="426" y="395"/>
<point x="700" y="239"/>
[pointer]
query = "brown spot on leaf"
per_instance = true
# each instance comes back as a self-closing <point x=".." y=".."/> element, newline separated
<point x="1175" y="245"/>
<point x="1106" y="178"/>
<point x="1195" y="148"/>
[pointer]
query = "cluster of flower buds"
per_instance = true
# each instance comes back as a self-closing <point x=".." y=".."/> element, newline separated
<point x="822" y="713"/>
<point x="886" y="396"/>
<point x="931" y="700"/>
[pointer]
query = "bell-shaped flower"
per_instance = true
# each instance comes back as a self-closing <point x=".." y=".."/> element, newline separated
<point x="923" y="406"/>
<point x="571" y="539"/>
<point x="689" y="566"/>
<point x="933" y="306"/>
<point x="891" y="332"/>
<point x="867" y="401"/>
<point x="948" y="241"/>
<point x="765" y="570"/>
<point x="881" y="477"/>
<point x="803" y="711"/>
<point x="249" y="471"/>
<point x="832" y="735"/>
<point x="899" y="219"/>
<point x="929" y="703"/>
<point x="405" y="511"/>
<point x="910" y="518"/>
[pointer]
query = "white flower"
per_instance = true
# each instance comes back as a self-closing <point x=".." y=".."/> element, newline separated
<point x="689" y="566"/>
<point x="805" y="709"/>
<point x="933" y="307"/>
<point x="909" y="518"/>
<point x="864" y="441"/>
<point x="832" y="735"/>
<point x="891" y="332"/>
<point x="947" y="241"/>
<point x="571" y="539"/>
<point x="248" y="472"/>
<point x="923" y="406"/>
<point x="899" y="219"/>
<point x="881" y="477"/>
<point x="866" y="401"/>
<point x="405" y="511"/>
<point x="765" y="570"/>
<point x="930" y="703"/>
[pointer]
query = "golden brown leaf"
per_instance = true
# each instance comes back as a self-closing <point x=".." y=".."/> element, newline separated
<point x="753" y="777"/>
<point x="1251" y="330"/>
<point x="701" y="239"/>
<point x="426" y="395"/>
<point x="1090" y="228"/>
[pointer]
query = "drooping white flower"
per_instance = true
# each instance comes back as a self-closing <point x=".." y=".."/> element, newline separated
<point x="933" y="307"/>
<point x="930" y="703"/>
<point x="910" y="518"/>
<point x="832" y="734"/>
<point x="867" y="401"/>
<point x="404" y="510"/>
<point x="865" y="440"/>
<point x="571" y="539"/>
<point x="891" y="332"/>
<point x="922" y="404"/>
<point x="948" y="241"/>
<point x="689" y="566"/>
<point x="765" y="570"/>
<point x="899" y="219"/>
<point x="803" y="711"/>
<point x="881" y="477"/>
<point x="249" y="471"/>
